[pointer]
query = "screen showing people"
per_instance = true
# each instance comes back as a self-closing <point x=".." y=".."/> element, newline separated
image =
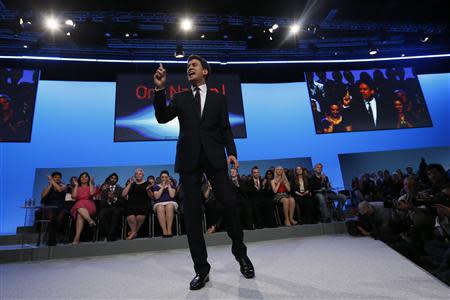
<point x="135" y="116"/>
<point x="17" y="98"/>
<point x="360" y="100"/>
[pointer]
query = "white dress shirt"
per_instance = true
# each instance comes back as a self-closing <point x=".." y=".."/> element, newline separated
<point x="203" y="90"/>
<point x="373" y="105"/>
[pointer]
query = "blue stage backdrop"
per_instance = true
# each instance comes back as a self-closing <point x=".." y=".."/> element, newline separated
<point x="74" y="126"/>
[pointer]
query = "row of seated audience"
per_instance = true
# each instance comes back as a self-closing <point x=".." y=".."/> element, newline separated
<point x="409" y="212"/>
<point x="300" y="196"/>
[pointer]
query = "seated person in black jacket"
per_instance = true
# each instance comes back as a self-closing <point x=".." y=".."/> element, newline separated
<point x="53" y="207"/>
<point x="111" y="210"/>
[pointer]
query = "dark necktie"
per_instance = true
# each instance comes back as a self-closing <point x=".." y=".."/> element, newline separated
<point x="198" y="101"/>
<point x="371" y="113"/>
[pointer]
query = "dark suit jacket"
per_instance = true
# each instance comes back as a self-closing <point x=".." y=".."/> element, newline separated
<point x="253" y="192"/>
<point x="212" y="131"/>
<point x="361" y="119"/>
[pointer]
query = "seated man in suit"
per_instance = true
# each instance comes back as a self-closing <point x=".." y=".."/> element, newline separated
<point x="205" y="134"/>
<point x="257" y="199"/>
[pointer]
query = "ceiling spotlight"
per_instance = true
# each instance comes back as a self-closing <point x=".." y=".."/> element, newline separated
<point x="294" y="28"/>
<point x="21" y="21"/>
<point x="127" y="35"/>
<point x="179" y="52"/>
<point x="249" y="37"/>
<point x="186" y="24"/>
<point x="424" y="38"/>
<point x="69" y="22"/>
<point x="403" y="55"/>
<point x="52" y="23"/>
<point x="271" y="30"/>
<point x="202" y="36"/>
<point x="68" y="33"/>
<point x="372" y="49"/>
<point x="275" y="26"/>
<point x="271" y="38"/>
<point x="25" y="46"/>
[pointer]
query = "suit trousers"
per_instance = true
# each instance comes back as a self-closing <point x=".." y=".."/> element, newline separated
<point x="225" y="194"/>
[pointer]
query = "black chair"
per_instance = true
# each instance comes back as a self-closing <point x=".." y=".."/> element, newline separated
<point x="69" y="229"/>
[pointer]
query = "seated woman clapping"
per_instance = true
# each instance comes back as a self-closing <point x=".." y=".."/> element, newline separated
<point x="281" y="187"/>
<point x="137" y="196"/>
<point x="165" y="204"/>
<point x="84" y="207"/>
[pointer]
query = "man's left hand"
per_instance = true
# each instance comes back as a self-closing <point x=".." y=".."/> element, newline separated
<point x="233" y="160"/>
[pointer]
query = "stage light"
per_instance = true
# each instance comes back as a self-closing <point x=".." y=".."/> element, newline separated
<point x="179" y="52"/>
<point x="52" y="23"/>
<point x="68" y="33"/>
<point x="69" y="22"/>
<point x="21" y="22"/>
<point x="275" y="26"/>
<point x="424" y="38"/>
<point x="25" y="46"/>
<point x="372" y="49"/>
<point x="186" y="24"/>
<point x="294" y="28"/>
<point x="127" y="35"/>
<point x="202" y="36"/>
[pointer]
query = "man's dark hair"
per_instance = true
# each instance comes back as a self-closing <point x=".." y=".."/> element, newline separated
<point x="437" y="167"/>
<point x="109" y="177"/>
<point x="56" y="173"/>
<point x="204" y="63"/>
<point x="151" y="176"/>
<point x="255" y="168"/>
<point x="367" y="82"/>
<point x="164" y="172"/>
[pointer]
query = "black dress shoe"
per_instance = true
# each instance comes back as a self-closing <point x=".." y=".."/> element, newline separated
<point x="199" y="281"/>
<point x="246" y="267"/>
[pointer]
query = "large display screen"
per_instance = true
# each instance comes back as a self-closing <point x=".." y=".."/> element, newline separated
<point x="135" y="115"/>
<point x="17" y="98"/>
<point x="358" y="100"/>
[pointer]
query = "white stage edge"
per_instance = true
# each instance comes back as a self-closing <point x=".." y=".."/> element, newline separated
<point x="320" y="267"/>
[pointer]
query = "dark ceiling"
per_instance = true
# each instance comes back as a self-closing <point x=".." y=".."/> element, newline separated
<point x="234" y="30"/>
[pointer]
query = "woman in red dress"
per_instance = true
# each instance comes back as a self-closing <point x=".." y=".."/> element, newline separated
<point x="281" y="188"/>
<point x="84" y="207"/>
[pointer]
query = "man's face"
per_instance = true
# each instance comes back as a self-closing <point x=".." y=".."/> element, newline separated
<point x="113" y="180"/>
<point x="366" y="91"/>
<point x="318" y="168"/>
<point x="233" y="172"/>
<point x="347" y="100"/>
<point x="195" y="72"/>
<point x="57" y="178"/>
<point x="255" y="173"/>
<point x="4" y="104"/>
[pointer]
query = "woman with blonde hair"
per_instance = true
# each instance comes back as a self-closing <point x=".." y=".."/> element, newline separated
<point x="281" y="188"/>
<point x="138" y="195"/>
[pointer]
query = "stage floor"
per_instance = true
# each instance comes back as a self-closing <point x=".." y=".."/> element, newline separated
<point x="321" y="267"/>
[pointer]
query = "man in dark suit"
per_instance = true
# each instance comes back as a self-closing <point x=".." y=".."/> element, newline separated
<point x="261" y="208"/>
<point x="205" y="133"/>
<point x="371" y="112"/>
